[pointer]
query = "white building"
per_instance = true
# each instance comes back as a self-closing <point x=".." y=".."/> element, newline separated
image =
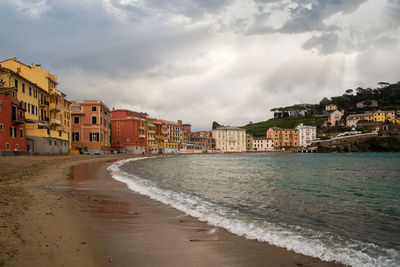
<point x="331" y="107"/>
<point x="229" y="139"/>
<point x="263" y="144"/>
<point x="307" y="134"/>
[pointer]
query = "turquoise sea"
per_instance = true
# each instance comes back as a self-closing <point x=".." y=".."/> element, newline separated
<point x="343" y="207"/>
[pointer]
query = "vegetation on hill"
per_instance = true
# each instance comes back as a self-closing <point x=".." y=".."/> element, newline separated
<point x="260" y="128"/>
<point x="388" y="95"/>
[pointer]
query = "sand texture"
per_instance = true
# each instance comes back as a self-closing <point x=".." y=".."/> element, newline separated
<point x="68" y="211"/>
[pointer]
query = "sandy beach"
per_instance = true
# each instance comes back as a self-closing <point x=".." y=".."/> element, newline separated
<point x="68" y="211"/>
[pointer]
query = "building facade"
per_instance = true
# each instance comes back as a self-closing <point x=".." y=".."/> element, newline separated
<point x="90" y="130"/>
<point x="263" y="144"/>
<point x="334" y="118"/>
<point x="249" y="142"/>
<point x="203" y="140"/>
<point x="152" y="147"/>
<point x="129" y="131"/>
<point x="331" y="107"/>
<point x="12" y="122"/>
<point x="45" y="131"/>
<point x="286" y="139"/>
<point x="307" y="134"/>
<point x="229" y="139"/>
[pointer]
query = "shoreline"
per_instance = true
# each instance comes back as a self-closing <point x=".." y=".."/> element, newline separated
<point x="79" y="215"/>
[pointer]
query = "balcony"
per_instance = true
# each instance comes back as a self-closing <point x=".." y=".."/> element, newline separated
<point x="55" y="121"/>
<point x="142" y="136"/>
<point x="151" y="139"/>
<point x="18" y="120"/>
<point x="54" y="106"/>
<point x="151" y="131"/>
<point x="44" y="103"/>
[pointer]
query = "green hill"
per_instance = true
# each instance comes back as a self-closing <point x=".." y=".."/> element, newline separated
<point x="259" y="129"/>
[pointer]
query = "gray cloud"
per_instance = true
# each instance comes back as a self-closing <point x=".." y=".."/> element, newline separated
<point x="200" y="61"/>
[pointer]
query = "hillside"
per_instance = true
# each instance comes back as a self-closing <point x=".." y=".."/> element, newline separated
<point x="258" y="129"/>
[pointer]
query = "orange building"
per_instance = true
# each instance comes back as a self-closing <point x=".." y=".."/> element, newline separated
<point x="284" y="138"/>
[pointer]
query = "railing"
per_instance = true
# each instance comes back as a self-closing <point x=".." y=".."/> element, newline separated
<point x="142" y="136"/>
<point x="55" y="121"/>
<point x="18" y="120"/>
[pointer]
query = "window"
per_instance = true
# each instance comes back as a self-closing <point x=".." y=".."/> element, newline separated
<point x="23" y="88"/>
<point x="118" y="132"/>
<point x="29" y="108"/>
<point x="17" y="147"/>
<point x="16" y="83"/>
<point x="94" y="137"/>
<point x="13" y="94"/>
<point x="94" y="120"/>
<point x="93" y="108"/>
<point x="21" y="133"/>
<point x="76" y="120"/>
<point x="1" y="127"/>
<point x="75" y="136"/>
<point x="35" y="93"/>
<point x="30" y="91"/>
<point x="13" y="132"/>
<point x="8" y="146"/>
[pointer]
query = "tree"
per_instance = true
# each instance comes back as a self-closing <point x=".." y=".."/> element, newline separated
<point x="324" y="102"/>
<point x="349" y="91"/>
<point x="383" y="84"/>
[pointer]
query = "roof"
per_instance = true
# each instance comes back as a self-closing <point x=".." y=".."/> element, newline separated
<point x="230" y="128"/>
<point x="20" y="76"/>
<point x="7" y="89"/>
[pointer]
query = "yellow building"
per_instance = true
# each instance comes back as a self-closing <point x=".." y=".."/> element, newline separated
<point x="152" y="146"/>
<point x="51" y="134"/>
<point x="379" y="115"/>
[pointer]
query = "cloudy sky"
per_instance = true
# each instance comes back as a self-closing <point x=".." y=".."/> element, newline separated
<point x="225" y="60"/>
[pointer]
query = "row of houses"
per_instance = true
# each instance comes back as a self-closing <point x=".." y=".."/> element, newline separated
<point x="277" y="139"/>
<point x="336" y="118"/>
<point x="36" y="118"/>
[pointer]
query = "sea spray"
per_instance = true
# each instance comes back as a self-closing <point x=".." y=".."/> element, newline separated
<point x="305" y="241"/>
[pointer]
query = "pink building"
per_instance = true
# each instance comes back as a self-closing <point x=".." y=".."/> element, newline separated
<point x="91" y="126"/>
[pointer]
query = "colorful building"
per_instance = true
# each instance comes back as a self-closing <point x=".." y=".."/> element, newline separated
<point x="286" y="139"/>
<point x="229" y="139"/>
<point x="331" y="107"/>
<point x="174" y="134"/>
<point x="263" y="144"/>
<point x="90" y="127"/>
<point x="334" y="118"/>
<point x="203" y="140"/>
<point x="152" y="147"/>
<point x="353" y="119"/>
<point x="46" y="132"/>
<point x="129" y="131"/>
<point x="12" y="119"/>
<point x="185" y="135"/>
<point x="249" y="142"/>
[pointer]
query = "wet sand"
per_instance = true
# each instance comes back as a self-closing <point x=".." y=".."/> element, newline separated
<point x="89" y="219"/>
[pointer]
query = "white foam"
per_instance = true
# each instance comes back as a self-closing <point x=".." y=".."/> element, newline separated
<point x="303" y="241"/>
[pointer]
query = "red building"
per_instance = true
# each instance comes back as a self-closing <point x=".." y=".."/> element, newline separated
<point x="203" y="138"/>
<point x="129" y="131"/>
<point x="90" y="128"/>
<point x="186" y="131"/>
<point x="12" y="119"/>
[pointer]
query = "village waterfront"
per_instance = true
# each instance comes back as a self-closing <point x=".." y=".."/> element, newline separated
<point x="336" y="207"/>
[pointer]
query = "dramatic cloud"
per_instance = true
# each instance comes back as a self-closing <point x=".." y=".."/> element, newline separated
<point x="224" y="60"/>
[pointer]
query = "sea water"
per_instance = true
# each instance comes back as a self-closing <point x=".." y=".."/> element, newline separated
<point x="342" y="207"/>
